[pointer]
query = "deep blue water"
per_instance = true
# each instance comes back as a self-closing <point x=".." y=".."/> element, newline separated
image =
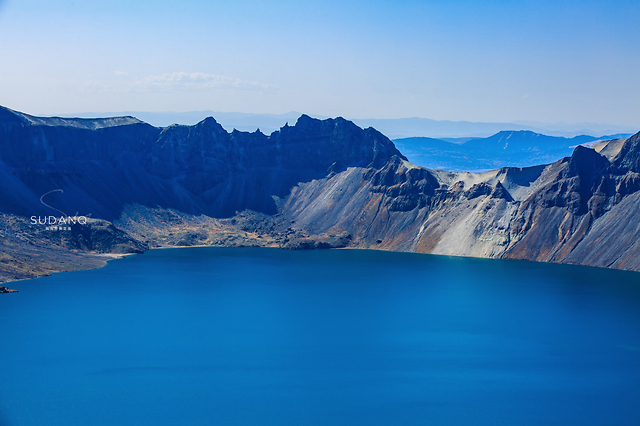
<point x="211" y="336"/>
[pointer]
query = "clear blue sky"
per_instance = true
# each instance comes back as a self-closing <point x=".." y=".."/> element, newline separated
<point x="549" y="61"/>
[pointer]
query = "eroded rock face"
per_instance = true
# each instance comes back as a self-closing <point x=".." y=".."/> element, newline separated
<point x="576" y="200"/>
<point x="404" y="188"/>
<point x="628" y="160"/>
<point x="555" y="213"/>
<point x="318" y="184"/>
<point x="101" y="166"/>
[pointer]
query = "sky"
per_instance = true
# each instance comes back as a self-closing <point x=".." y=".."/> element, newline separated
<point x="493" y="60"/>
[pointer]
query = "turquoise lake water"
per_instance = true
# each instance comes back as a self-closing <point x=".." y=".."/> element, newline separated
<point x="220" y="336"/>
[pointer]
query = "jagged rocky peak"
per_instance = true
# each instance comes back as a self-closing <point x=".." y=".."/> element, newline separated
<point x="324" y="179"/>
<point x="209" y="123"/>
<point x="586" y="162"/>
<point x="211" y="126"/>
<point x="312" y="144"/>
<point x="337" y="140"/>
<point x="195" y="169"/>
<point x="629" y="157"/>
<point x="574" y="184"/>
<point x="404" y="185"/>
<point x="204" y="138"/>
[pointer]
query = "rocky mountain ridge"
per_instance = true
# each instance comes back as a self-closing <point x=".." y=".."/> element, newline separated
<point x="198" y="169"/>
<point x="318" y="184"/>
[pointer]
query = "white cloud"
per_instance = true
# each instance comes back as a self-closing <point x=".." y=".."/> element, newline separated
<point x="171" y="82"/>
<point x="196" y="80"/>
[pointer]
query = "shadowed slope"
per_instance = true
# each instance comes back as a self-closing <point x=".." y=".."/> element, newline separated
<point x="102" y="165"/>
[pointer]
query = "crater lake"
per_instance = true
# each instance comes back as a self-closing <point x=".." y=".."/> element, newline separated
<point x="255" y="336"/>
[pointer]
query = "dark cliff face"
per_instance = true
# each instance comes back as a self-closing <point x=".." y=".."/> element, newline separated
<point x="576" y="204"/>
<point x="337" y="143"/>
<point x="324" y="178"/>
<point x="311" y="146"/>
<point x="573" y="185"/>
<point x="87" y="159"/>
<point x="628" y="160"/>
<point x="403" y="189"/>
<point x="561" y="212"/>
<point x="102" y="165"/>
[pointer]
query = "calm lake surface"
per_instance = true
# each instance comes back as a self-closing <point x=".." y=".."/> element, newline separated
<point x="219" y="336"/>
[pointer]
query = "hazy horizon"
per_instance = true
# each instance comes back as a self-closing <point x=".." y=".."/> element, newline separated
<point x="398" y="128"/>
<point x="393" y="128"/>
<point x="496" y="61"/>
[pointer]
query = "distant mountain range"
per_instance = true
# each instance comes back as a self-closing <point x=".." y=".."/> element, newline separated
<point x="393" y="128"/>
<point x="521" y="148"/>
<point x="316" y="184"/>
<point x="267" y="123"/>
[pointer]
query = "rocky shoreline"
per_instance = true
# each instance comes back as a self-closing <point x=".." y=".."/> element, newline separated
<point x="29" y="253"/>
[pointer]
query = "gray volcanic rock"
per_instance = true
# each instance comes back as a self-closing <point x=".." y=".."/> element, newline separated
<point x="499" y="191"/>
<point x="556" y="213"/>
<point x="478" y="190"/>
<point x="318" y="184"/>
<point x="629" y="157"/>
<point x="28" y="250"/>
